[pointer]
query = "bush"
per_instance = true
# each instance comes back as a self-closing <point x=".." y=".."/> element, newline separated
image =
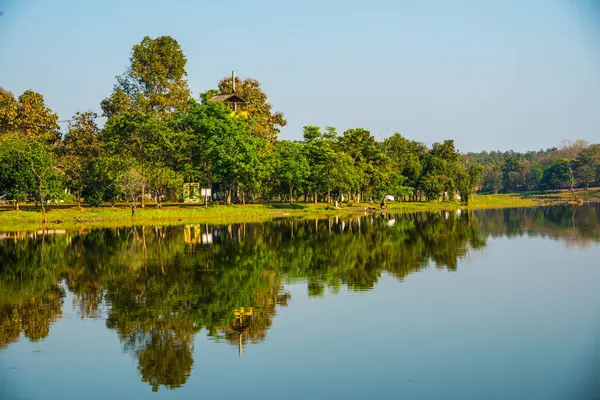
<point x="94" y="199"/>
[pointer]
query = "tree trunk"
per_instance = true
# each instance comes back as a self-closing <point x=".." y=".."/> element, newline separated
<point x="143" y="204"/>
<point x="315" y="197"/>
<point x="17" y="205"/>
<point x="132" y="210"/>
<point x="291" y="189"/>
<point x="329" y="197"/>
<point x="228" y="194"/>
<point x="243" y="197"/>
<point x="42" y="202"/>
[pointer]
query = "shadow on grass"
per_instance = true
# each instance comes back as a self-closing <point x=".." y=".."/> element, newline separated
<point x="286" y="206"/>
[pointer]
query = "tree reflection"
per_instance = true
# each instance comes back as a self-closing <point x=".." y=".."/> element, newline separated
<point x="159" y="286"/>
<point x="33" y="317"/>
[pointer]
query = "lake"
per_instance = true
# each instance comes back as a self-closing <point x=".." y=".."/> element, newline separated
<point x="493" y="304"/>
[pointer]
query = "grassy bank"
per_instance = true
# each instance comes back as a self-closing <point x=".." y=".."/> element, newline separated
<point x="70" y="217"/>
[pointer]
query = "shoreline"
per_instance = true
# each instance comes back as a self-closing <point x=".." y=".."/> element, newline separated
<point x="70" y="217"/>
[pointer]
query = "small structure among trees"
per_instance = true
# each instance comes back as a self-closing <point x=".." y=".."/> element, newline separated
<point x="238" y="105"/>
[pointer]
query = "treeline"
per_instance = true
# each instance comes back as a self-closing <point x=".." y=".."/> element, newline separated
<point x="157" y="136"/>
<point x="575" y="165"/>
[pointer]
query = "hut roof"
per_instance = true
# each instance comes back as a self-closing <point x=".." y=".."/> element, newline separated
<point x="228" y="98"/>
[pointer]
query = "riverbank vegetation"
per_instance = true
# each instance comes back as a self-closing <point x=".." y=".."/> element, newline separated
<point x="70" y="216"/>
<point x="158" y="136"/>
<point x="576" y="164"/>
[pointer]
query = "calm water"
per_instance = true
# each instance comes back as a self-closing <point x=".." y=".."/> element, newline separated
<point x="498" y="304"/>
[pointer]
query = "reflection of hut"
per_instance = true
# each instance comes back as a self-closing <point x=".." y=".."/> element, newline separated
<point x="238" y="105"/>
<point x="194" y="235"/>
<point x="242" y="324"/>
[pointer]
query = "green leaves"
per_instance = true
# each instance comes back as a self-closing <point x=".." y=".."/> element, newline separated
<point x="291" y="168"/>
<point x="154" y="82"/>
<point x="29" y="170"/>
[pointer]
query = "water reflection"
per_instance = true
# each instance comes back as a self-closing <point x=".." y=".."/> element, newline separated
<point x="157" y="287"/>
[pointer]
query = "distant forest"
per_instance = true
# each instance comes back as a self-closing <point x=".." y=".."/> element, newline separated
<point x="157" y="136"/>
<point x="576" y="164"/>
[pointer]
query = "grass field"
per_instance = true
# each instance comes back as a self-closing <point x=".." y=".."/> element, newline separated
<point x="69" y="216"/>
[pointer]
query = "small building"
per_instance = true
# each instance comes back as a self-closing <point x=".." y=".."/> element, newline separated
<point x="238" y="105"/>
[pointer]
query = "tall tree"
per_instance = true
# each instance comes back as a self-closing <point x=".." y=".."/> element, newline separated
<point x="319" y="149"/>
<point x="81" y="147"/>
<point x="146" y="137"/>
<point x="360" y="145"/>
<point x="223" y="149"/>
<point x="292" y="168"/>
<point x="154" y="81"/>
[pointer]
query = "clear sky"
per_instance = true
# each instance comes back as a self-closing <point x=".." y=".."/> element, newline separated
<point x="493" y="74"/>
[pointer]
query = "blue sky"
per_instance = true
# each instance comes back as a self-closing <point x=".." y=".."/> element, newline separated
<point x="495" y="74"/>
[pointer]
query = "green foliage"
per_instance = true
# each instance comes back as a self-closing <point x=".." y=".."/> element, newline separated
<point x="156" y="129"/>
<point x="164" y="181"/>
<point x="540" y="170"/>
<point x="291" y="168"/>
<point x="154" y="82"/>
<point x="558" y="175"/>
<point x="29" y="170"/>
<point x="80" y="148"/>
<point x="101" y="179"/>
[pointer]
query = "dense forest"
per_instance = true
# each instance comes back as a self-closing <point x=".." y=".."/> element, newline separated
<point x="157" y="136"/>
<point x="575" y="164"/>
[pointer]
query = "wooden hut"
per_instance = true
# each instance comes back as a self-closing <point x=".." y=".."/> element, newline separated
<point x="238" y="105"/>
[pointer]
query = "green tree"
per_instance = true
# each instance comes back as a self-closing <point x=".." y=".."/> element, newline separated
<point x="162" y="181"/>
<point x="368" y="161"/>
<point x="467" y="179"/>
<point x="511" y="172"/>
<point x="81" y="147"/>
<point x="145" y="137"/>
<point x="406" y="157"/>
<point x="319" y="148"/>
<point x="29" y="171"/>
<point x="342" y="175"/>
<point x="588" y="164"/>
<point x="558" y="174"/>
<point x="17" y="181"/>
<point x="223" y="149"/>
<point x="291" y="168"/>
<point x="101" y="179"/>
<point x="154" y="81"/>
